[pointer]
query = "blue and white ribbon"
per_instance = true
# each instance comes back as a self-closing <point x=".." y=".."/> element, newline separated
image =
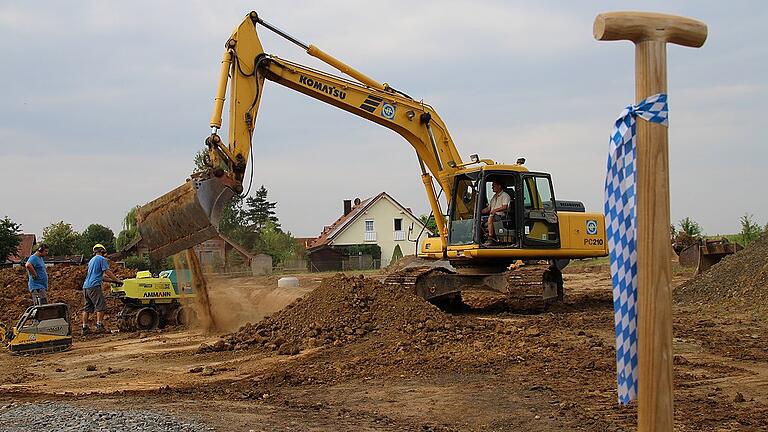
<point x="621" y="229"/>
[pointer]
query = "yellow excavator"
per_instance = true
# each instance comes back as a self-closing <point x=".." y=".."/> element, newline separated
<point x="535" y="227"/>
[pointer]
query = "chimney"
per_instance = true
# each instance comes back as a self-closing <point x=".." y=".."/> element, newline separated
<point x="347" y="207"/>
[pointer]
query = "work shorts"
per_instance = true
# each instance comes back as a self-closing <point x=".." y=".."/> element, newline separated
<point x="39" y="297"/>
<point x="94" y="300"/>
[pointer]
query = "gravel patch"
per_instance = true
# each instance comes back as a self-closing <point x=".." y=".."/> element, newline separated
<point x="50" y="416"/>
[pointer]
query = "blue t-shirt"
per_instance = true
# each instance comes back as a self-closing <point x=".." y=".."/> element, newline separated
<point x="41" y="282"/>
<point x="96" y="268"/>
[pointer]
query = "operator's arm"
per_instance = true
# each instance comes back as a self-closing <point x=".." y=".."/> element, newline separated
<point x="504" y="204"/>
<point x="111" y="275"/>
<point x="31" y="269"/>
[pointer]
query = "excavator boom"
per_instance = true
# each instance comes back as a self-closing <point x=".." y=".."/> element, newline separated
<point x="190" y="214"/>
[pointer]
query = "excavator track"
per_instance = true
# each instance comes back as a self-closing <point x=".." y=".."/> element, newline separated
<point x="534" y="280"/>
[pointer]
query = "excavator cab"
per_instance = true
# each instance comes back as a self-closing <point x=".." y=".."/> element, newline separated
<point x="530" y="220"/>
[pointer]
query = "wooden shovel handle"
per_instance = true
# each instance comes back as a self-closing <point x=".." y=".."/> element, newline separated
<point x="648" y="26"/>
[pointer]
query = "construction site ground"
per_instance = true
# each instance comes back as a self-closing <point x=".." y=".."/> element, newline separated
<point x="495" y="366"/>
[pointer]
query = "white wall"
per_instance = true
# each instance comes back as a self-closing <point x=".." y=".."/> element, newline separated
<point x="383" y="213"/>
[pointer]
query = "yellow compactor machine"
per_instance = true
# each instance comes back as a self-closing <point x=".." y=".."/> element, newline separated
<point x="151" y="302"/>
<point x="41" y="329"/>
<point x="536" y="226"/>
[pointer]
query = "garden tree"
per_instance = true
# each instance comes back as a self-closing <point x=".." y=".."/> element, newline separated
<point x="429" y="222"/>
<point x="750" y="230"/>
<point x="94" y="234"/>
<point x="130" y="230"/>
<point x="232" y="217"/>
<point x="688" y="235"/>
<point x="275" y="243"/>
<point x="154" y="265"/>
<point x="199" y="160"/>
<point x="259" y="211"/>
<point x="61" y="238"/>
<point x="691" y="227"/>
<point x="397" y="254"/>
<point x="9" y="238"/>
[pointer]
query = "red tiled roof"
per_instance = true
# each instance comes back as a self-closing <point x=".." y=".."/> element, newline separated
<point x="305" y="242"/>
<point x="28" y="242"/>
<point x="330" y="232"/>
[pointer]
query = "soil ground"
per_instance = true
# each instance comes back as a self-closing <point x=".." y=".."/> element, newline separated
<point x="491" y="367"/>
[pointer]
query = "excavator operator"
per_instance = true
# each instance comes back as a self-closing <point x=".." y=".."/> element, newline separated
<point x="496" y="208"/>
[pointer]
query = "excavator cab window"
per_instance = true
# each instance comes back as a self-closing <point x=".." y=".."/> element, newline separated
<point x="505" y="226"/>
<point x="463" y="207"/>
<point x="540" y="222"/>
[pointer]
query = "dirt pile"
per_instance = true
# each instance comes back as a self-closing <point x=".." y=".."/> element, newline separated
<point x="739" y="282"/>
<point x="400" y="264"/>
<point x="343" y="309"/>
<point x="65" y="285"/>
<point x="365" y="328"/>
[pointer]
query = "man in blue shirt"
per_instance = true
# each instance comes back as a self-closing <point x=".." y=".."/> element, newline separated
<point x="98" y="267"/>
<point x="38" y="277"/>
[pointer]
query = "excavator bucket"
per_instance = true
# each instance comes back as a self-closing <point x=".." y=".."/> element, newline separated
<point x="184" y="217"/>
<point x="707" y="253"/>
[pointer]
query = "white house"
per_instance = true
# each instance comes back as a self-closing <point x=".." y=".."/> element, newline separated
<point x="379" y="220"/>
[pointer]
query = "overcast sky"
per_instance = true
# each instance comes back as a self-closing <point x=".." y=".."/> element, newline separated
<point x="104" y="104"/>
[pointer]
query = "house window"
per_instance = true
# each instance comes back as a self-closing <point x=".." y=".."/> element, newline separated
<point x="399" y="234"/>
<point x="370" y="234"/>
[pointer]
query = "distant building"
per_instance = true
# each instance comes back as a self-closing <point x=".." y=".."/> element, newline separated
<point x="215" y="252"/>
<point x="23" y="251"/>
<point x="379" y="220"/>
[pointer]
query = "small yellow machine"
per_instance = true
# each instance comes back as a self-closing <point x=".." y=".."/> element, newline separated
<point x="153" y="302"/>
<point x="40" y="329"/>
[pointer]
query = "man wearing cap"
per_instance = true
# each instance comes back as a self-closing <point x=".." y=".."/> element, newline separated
<point x="38" y="277"/>
<point x="98" y="267"/>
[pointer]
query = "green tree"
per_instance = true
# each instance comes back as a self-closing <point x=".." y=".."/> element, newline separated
<point x="147" y="263"/>
<point x="130" y="230"/>
<point x="200" y="160"/>
<point x="275" y="243"/>
<point x="94" y="234"/>
<point x="259" y="210"/>
<point x="397" y="254"/>
<point x="9" y="238"/>
<point x="691" y="227"/>
<point x="232" y="217"/>
<point x="429" y="222"/>
<point x="61" y="238"/>
<point x="750" y="230"/>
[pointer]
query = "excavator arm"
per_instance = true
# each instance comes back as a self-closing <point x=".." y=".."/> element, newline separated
<point x="190" y="214"/>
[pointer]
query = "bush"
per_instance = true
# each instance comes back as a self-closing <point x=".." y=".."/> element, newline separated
<point x="750" y="230"/>
<point x="9" y="238"/>
<point x="361" y="249"/>
<point x="155" y="266"/>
